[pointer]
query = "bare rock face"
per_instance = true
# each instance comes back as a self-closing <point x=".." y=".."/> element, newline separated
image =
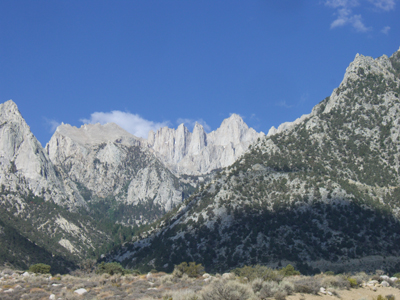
<point x="198" y="152"/>
<point x="287" y="125"/>
<point x="23" y="163"/>
<point x="108" y="163"/>
<point x="30" y="188"/>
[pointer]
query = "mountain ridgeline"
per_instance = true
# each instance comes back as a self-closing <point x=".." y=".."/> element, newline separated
<point x="93" y="187"/>
<point x="322" y="193"/>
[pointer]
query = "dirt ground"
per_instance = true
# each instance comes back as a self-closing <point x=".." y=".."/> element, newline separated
<point x="354" y="294"/>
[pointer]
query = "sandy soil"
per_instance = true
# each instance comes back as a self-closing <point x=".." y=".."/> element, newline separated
<point x="353" y="294"/>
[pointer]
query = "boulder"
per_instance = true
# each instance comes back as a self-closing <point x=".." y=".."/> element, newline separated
<point x="384" y="277"/>
<point x="372" y="282"/>
<point x="228" y="276"/>
<point x="385" y="283"/>
<point x="80" y="291"/>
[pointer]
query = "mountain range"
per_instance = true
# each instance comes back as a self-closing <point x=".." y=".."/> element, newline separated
<point x="321" y="193"/>
<point x="92" y="187"/>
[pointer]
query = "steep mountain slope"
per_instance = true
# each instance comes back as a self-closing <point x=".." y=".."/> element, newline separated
<point x="115" y="173"/>
<point x="37" y="209"/>
<point x="199" y="153"/>
<point x="91" y="187"/>
<point x="24" y="163"/>
<point x="120" y="176"/>
<point x="20" y="252"/>
<point x="323" y="191"/>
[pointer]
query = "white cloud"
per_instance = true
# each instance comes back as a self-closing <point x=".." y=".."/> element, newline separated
<point x="346" y="16"/>
<point x="385" y="5"/>
<point x="189" y="123"/>
<point x="358" y="24"/>
<point x="385" y="30"/>
<point x="341" y="3"/>
<point x="132" y="123"/>
<point x="52" y="124"/>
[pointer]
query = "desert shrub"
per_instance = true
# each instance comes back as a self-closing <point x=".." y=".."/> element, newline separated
<point x="192" y="270"/>
<point x="390" y="297"/>
<point x="287" y="287"/>
<point x="280" y="296"/>
<point x="87" y="265"/>
<point x="227" y="290"/>
<point x="361" y="276"/>
<point x="395" y="284"/>
<point x="257" y="271"/>
<point x="289" y="271"/>
<point x="111" y="268"/>
<point x="380" y="297"/>
<point x="307" y="285"/>
<point x="40" y="269"/>
<point x="135" y="272"/>
<point x="257" y="285"/>
<point x="353" y="282"/>
<point x="330" y="273"/>
<point x="272" y="289"/>
<point x="187" y="294"/>
<point x="338" y="281"/>
<point x="269" y="288"/>
<point x="396" y="275"/>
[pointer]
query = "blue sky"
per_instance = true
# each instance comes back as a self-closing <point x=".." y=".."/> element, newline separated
<point x="146" y="64"/>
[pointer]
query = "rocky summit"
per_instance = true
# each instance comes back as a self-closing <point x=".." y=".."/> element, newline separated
<point x="91" y="187"/>
<point x="110" y="166"/>
<point x="38" y="218"/>
<point x="197" y="153"/>
<point x="321" y="193"/>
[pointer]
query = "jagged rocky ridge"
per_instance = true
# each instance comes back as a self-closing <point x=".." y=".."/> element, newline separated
<point x="112" y="169"/>
<point x="38" y="210"/>
<point x="91" y="186"/>
<point x="321" y="193"/>
<point x="199" y="153"/>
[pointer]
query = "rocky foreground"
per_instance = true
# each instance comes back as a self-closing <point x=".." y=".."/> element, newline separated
<point x="26" y="285"/>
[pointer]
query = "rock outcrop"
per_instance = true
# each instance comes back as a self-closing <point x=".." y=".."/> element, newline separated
<point x="24" y="166"/>
<point x="37" y="205"/>
<point x="199" y="153"/>
<point x="109" y="164"/>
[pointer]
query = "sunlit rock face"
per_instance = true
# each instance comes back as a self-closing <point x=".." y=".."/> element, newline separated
<point x="108" y="163"/>
<point x="197" y="152"/>
<point x="24" y="165"/>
